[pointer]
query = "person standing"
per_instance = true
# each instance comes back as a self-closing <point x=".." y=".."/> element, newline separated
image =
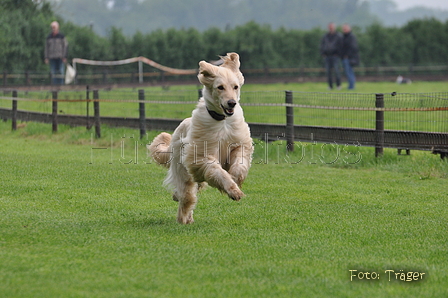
<point x="349" y="54"/>
<point x="56" y="53"/>
<point x="330" y="48"/>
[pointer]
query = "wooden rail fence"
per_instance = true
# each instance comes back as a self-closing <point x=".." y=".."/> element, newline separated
<point x="379" y="137"/>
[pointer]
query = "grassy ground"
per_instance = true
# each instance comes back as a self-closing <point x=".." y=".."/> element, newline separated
<point x="83" y="222"/>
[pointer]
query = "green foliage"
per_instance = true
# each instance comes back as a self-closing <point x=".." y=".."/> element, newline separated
<point x="255" y="47"/>
<point x="23" y="29"/>
<point x="430" y="39"/>
<point x="82" y="40"/>
<point x="386" y="46"/>
<point x="118" y="44"/>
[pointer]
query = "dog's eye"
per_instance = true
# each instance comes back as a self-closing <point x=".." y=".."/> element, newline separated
<point x="236" y="87"/>
<point x="221" y="87"/>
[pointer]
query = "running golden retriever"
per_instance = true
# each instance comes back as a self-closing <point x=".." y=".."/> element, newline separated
<point x="214" y="146"/>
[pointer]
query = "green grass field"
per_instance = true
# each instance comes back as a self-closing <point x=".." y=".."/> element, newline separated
<point x="83" y="222"/>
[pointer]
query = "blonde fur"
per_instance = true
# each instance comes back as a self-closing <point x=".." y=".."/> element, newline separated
<point x="203" y="149"/>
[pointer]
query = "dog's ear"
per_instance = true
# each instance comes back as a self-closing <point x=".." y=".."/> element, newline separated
<point x="207" y="73"/>
<point x="232" y="62"/>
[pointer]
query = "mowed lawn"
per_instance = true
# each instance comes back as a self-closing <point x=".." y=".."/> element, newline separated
<point x="82" y="222"/>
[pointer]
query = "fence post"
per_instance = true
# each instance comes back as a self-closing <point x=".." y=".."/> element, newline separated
<point x="96" y="108"/>
<point x="14" y="110"/>
<point x="54" y="114"/>
<point x="289" y="121"/>
<point x="140" y="71"/>
<point x="141" y="105"/>
<point x="88" y="126"/>
<point x="76" y="73"/>
<point x="379" y="103"/>
<point x="5" y="77"/>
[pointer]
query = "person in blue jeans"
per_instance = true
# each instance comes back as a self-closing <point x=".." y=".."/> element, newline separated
<point x="330" y="49"/>
<point x="56" y="53"/>
<point x="349" y="54"/>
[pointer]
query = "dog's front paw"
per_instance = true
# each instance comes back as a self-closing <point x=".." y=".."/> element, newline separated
<point x="186" y="219"/>
<point x="235" y="193"/>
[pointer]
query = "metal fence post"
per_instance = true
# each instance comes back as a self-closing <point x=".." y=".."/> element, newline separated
<point x="141" y="105"/>
<point x="54" y="114"/>
<point x="96" y="108"/>
<point x="289" y="121"/>
<point x="379" y="103"/>
<point x="14" y="110"/>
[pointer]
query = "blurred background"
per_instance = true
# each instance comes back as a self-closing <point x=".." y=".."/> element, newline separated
<point x="398" y="37"/>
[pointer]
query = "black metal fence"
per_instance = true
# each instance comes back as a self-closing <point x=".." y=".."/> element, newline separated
<point x="402" y="121"/>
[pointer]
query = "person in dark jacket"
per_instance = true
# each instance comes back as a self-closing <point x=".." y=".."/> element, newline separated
<point x="349" y="54"/>
<point x="330" y="48"/>
<point x="56" y="53"/>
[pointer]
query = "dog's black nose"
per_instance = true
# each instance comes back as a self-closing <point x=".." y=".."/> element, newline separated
<point x="231" y="103"/>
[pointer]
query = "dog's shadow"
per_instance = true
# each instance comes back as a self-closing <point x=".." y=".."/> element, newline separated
<point x="168" y="225"/>
<point x="151" y="222"/>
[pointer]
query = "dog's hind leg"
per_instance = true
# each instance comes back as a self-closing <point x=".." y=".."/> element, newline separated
<point x="184" y="191"/>
<point x="187" y="202"/>
<point x="159" y="149"/>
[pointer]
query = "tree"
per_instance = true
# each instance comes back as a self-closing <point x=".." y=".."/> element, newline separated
<point x="430" y="41"/>
<point x="84" y="43"/>
<point x="255" y="45"/>
<point x="118" y="44"/>
<point x="23" y="28"/>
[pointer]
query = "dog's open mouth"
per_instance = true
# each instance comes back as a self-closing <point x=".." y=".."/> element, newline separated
<point x="228" y="112"/>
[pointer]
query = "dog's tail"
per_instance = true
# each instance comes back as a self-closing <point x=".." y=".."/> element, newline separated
<point x="159" y="149"/>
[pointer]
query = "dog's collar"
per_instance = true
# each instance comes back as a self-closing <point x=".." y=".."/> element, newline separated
<point x="216" y="116"/>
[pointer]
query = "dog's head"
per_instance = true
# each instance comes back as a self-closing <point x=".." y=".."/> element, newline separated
<point x="223" y="83"/>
